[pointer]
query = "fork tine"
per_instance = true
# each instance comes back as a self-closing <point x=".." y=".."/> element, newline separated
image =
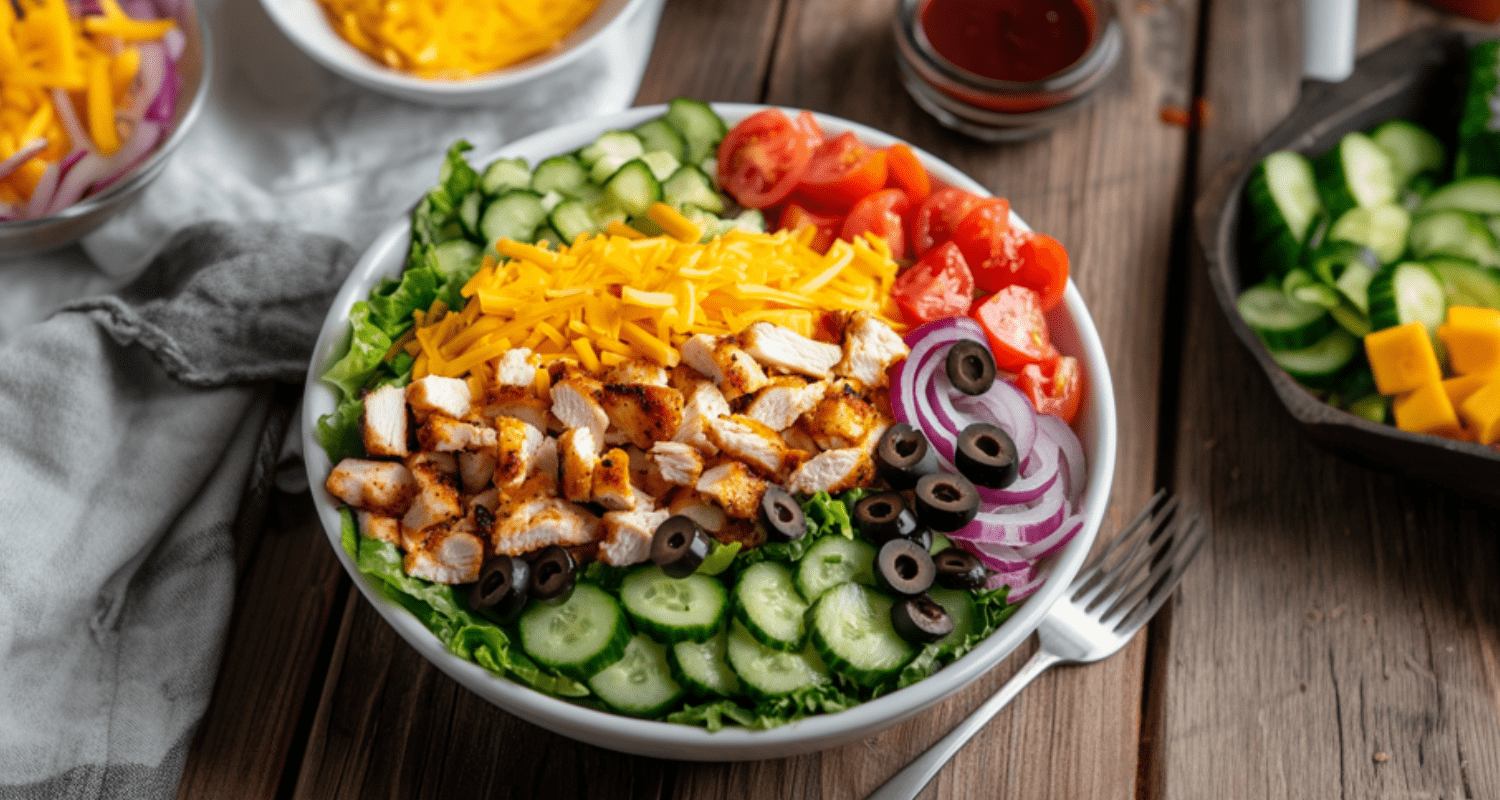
<point x="1164" y="577"/>
<point x="1139" y="555"/>
<point x="1095" y="567"/>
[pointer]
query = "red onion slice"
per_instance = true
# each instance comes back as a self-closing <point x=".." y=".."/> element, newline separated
<point x="1074" y="464"/>
<point x="64" y="108"/>
<point x="41" y="196"/>
<point x="22" y="155"/>
<point x="95" y="169"/>
<point x="1023" y="582"/>
<point x="148" y="80"/>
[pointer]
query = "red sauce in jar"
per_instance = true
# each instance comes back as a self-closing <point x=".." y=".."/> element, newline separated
<point x="1009" y="40"/>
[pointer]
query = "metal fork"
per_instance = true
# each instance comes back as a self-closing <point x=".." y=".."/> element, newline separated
<point x="1113" y="597"/>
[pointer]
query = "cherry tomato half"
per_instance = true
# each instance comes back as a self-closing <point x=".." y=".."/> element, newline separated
<point x="937" y="287"/>
<point x="1054" y="386"/>
<point x="934" y="220"/>
<point x="842" y="171"/>
<point x="883" y="214"/>
<point x="905" y="172"/>
<point x="762" y="159"/>
<point x="985" y="237"/>
<point x="808" y="126"/>
<point x="1043" y="265"/>
<point x="797" y="216"/>
<point x="1012" y="321"/>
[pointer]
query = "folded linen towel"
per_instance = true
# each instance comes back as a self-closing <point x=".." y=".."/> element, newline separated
<point x="136" y="432"/>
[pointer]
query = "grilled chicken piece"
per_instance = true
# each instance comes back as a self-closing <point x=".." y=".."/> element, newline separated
<point x="793" y="460"/>
<point x="543" y="521"/>
<point x="489" y="498"/>
<point x="517" y="445"/>
<point x="628" y="534"/>
<point x="434" y="393"/>
<point x="546" y="461"/>
<point x="734" y="488"/>
<point x="723" y="361"/>
<point x="784" y="400"/>
<point x="870" y="346"/>
<point x="611" y="481"/>
<point x="687" y="502"/>
<point x="517" y="368"/>
<point x="539" y="487"/>
<point x="447" y="435"/>
<point x="575" y="401"/>
<point x="378" y="526"/>
<point x="833" y="471"/>
<point x="752" y="442"/>
<point x="677" y="463"/>
<point x="384" y="487"/>
<point x="437" y="501"/>
<point x="384" y="424"/>
<point x="747" y="533"/>
<point x="637" y="371"/>
<point x="842" y="418"/>
<point x="449" y="556"/>
<point x="645" y="414"/>
<point x="564" y="368"/>
<point x="517" y="402"/>
<point x="475" y="470"/>
<point x="783" y="348"/>
<point x="797" y="438"/>
<point x="703" y="402"/>
<point x="579" y="452"/>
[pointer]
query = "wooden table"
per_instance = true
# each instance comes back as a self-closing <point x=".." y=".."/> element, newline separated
<point x="1340" y="637"/>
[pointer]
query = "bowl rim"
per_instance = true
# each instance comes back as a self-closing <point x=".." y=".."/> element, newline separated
<point x="650" y="737"/>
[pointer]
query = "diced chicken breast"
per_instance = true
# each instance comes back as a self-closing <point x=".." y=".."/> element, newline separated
<point x="744" y="531"/>
<point x="783" y="348"/>
<point x="611" y="481"/>
<point x="703" y="403"/>
<point x="384" y="424"/>
<point x="628" y="534"/>
<point x="575" y="401"/>
<point x="436" y="393"/>
<point x="447" y="435"/>
<point x="870" y="346"/>
<point x="378" y="526"/>
<point x="676" y="462"/>
<point x="541" y="522"/>
<point x="489" y="498"/>
<point x="384" y="487"/>
<point x="752" y="442"/>
<point x="517" y="402"/>
<point x="797" y="438"/>
<point x="438" y="500"/>
<point x="783" y="401"/>
<point x="842" y="418"/>
<point x="546" y="460"/>
<point x="476" y="469"/>
<point x="579" y="453"/>
<point x="833" y="471"/>
<point x="687" y="502"/>
<point x="724" y="362"/>
<point x="448" y="556"/>
<point x="517" y="368"/>
<point x="734" y="488"/>
<point x="637" y="371"/>
<point x="517" y="445"/>
<point x="645" y="414"/>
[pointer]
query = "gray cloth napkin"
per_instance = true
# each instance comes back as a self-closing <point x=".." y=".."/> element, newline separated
<point x="136" y="432"/>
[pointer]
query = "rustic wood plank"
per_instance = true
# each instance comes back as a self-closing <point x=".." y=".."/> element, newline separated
<point x="711" y="51"/>
<point x="1339" y="638"/>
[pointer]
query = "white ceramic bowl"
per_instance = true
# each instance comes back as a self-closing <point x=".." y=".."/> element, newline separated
<point x="304" y="22"/>
<point x="1073" y="332"/>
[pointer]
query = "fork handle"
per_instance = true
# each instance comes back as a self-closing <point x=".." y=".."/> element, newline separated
<point x="905" y="784"/>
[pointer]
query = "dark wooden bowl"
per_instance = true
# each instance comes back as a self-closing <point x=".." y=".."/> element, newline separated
<point x="1418" y="77"/>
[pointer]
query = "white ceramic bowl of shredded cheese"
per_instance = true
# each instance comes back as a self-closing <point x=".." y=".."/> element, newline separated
<point x="1072" y="331"/>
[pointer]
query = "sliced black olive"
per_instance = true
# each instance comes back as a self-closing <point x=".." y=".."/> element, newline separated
<point x="781" y="515"/>
<point x="553" y="573"/>
<point x="501" y="590"/>
<point x="883" y="516"/>
<point x="679" y="546"/>
<point x="920" y="619"/>
<point x="970" y="367"/>
<point x="922" y="536"/>
<point x="946" y="502"/>
<point x="903" y="456"/>
<point x="957" y="568"/>
<point x="986" y="455"/>
<point x="904" y="567"/>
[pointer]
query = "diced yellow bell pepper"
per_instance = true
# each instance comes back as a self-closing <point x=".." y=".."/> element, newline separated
<point x="1427" y="410"/>
<point x="1473" y="339"/>
<point x="1482" y="412"/>
<point x="1403" y="360"/>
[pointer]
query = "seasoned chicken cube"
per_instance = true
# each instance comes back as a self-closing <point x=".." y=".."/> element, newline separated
<point x="724" y="362"/>
<point x="783" y="348"/>
<point x="627" y="535"/>
<point x="611" y="483"/>
<point x="833" y="471"/>
<point x="383" y="426"/>
<point x="752" y="442"/>
<point x="636" y="371"/>
<point x="797" y="438"/>
<point x="842" y="418"/>
<point x="448" y="556"/>
<point x="747" y="533"/>
<point x="687" y="502"/>
<point x="579" y="453"/>
<point x="543" y="521"/>
<point x="703" y="403"/>
<point x="476" y="470"/>
<point x="870" y="346"/>
<point x="677" y="463"/>
<point x="783" y="401"/>
<point x="563" y="368"/>
<point x="384" y="487"/>
<point x="517" y="446"/>
<point x="645" y="414"/>
<point x="575" y="401"/>
<point x="447" y="435"/>
<point x="545" y="462"/>
<point x="489" y="499"/>
<point x="734" y="488"/>
<point x="517" y="402"/>
<point x="517" y="368"/>
<point x="378" y="526"/>
<point x="435" y="393"/>
<point x="437" y="501"/>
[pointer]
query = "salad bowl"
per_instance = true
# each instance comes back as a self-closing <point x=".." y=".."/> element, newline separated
<point x="1073" y="332"/>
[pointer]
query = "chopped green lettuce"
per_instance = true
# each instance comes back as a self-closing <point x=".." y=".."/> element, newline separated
<point x="368" y="344"/>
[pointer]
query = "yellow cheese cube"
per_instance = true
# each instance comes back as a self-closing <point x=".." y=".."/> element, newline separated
<point x="1473" y="339"/>
<point x="1427" y="410"/>
<point x="1403" y="360"/>
<point x="1458" y="389"/>
<point x="1482" y="412"/>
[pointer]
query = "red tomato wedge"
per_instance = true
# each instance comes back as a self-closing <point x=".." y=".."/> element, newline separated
<point x="1012" y="321"/>
<point x="905" y="172"/>
<point x="881" y="213"/>
<point x="937" y="287"/>
<point x="1054" y="386"/>
<point x="1043" y="265"/>
<point x="808" y="126"/>
<point x="796" y="217"/>
<point x="842" y="171"/>
<point x="984" y="236"/>
<point x="934" y="220"/>
<point x="1001" y="256"/>
<point x="762" y="159"/>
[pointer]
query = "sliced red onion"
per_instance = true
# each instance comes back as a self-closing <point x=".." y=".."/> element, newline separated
<point x="95" y="169"/>
<point x="148" y="81"/>
<point x="1073" y="465"/>
<point x="165" y="104"/>
<point x="41" y="196"/>
<point x="64" y="108"/>
<point x="1023" y="582"/>
<point x="8" y="212"/>
<point x="22" y="155"/>
<point x="1006" y="406"/>
<point x="1008" y="531"/>
<point x="176" y="43"/>
<point x="1038" y="474"/>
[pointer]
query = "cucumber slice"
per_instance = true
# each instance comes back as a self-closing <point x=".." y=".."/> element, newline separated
<point x="662" y="165"/>
<point x="1381" y="228"/>
<point x="1351" y="319"/>
<point x="766" y="601"/>
<point x="852" y="631"/>
<point x="699" y="126"/>
<point x="689" y="186"/>
<point x="561" y="174"/>
<point x="505" y="175"/>
<point x="1466" y="283"/>
<point x="1354" y="286"/>
<point x="671" y="609"/>
<point x="1283" y="323"/>
<point x="961" y="608"/>
<point x="515" y="215"/>
<point x="765" y="672"/>
<point x="1454" y="233"/>
<point x="633" y="189"/>
<point x="551" y="200"/>
<point x="1407" y="292"/>
<point x="659" y="137"/>
<point x="939" y="543"/>
<point x="579" y="637"/>
<point x="468" y="213"/>
<point x="1412" y="148"/>
<point x="621" y="145"/>
<point x="547" y="237"/>
<point x="1373" y="407"/>
<point x="834" y="560"/>
<point x="457" y="256"/>
<point x="1299" y="284"/>
<point x="1319" y="365"/>
<point x="1283" y="199"/>
<point x="1330" y="261"/>
<point x="1356" y="172"/>
<point x="701" y="669"/>
<point x="572" y="219"/>
<point x="1477" y="195"/>
<point x="640" y="683"/>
